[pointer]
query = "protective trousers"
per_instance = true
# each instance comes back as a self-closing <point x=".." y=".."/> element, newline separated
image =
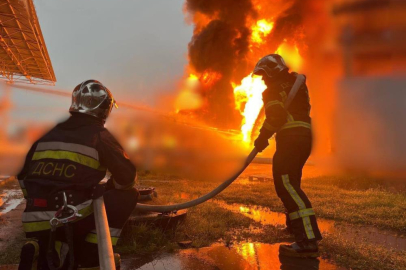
<point x="290" y="156"/>
<point x="119" y="206"/>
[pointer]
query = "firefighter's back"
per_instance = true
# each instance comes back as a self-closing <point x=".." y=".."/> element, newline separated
<point x="66" y="158"/>
<point x="298" y="120"/>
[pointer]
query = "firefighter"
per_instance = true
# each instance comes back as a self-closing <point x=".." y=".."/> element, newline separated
<point x="293" y="145"/>
<point x="73" y="158"/>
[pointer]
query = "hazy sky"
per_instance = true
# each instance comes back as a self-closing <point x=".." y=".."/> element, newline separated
<point x="137" y="48"/>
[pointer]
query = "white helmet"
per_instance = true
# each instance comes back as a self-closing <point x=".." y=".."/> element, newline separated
<point x="93" y="98"/>
<point x="270" y="66"/>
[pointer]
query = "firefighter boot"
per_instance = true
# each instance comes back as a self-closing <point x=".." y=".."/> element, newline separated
<point x="300" y="249"/>
<point x="29" y="256"/>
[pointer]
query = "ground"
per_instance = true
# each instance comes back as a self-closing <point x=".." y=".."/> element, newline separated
<point x="362" y="218"/>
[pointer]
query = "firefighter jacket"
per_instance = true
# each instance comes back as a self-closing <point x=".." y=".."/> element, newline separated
<point x="292" y="121"/>
<point x="73" y="157"/>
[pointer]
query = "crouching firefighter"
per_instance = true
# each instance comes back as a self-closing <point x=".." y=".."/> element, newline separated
<point x="61" y="175"/>
<point x="288" y="115"/>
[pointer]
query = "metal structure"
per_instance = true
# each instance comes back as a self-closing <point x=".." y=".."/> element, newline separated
<point x="23" y="54"/>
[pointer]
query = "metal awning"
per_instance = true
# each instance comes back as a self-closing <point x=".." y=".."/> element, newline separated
<point x="23" y="53"/>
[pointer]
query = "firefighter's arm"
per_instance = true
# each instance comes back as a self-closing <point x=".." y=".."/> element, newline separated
<point x="276" y="116"/>
<point x="113" y="156"/>
<point x="24" y="171"/>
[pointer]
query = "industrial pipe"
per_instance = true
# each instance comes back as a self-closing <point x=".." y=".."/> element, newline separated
<point x="208" y="196"/>
<point x="105" y="248"/>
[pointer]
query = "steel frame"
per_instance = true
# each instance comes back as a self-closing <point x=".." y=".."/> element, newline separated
<point x="23" y="54"/>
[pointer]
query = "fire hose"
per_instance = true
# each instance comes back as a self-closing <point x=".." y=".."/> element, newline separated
<point x="300" y="79"/>
<point x="202" y="199"/>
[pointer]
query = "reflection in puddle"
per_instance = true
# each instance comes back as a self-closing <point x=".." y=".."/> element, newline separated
<point x="9" y="200"/>
<point x="368" y="234"/>
<point x="245" y="256"/>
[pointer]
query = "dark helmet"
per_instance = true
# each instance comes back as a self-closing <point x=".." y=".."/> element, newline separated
<point x="270" y="65"/>
<point x="93" y="98"/>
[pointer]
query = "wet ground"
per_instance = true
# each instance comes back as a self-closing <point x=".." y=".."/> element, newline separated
<point x="10" y="194"/>
<point x="11" y="209"/>
<point x="239" y="256"/>
<point x="369" y="235"/>
<point x="245" y="256"/>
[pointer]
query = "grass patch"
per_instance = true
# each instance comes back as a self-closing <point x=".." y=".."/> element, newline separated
<point x="357" y="256"/>
<point x="11" y="255"/>
<point x="345" y="199"/>
<point x="374" y="207"/>
<point x="332" y="197"/>
<point x="205" y="224"/>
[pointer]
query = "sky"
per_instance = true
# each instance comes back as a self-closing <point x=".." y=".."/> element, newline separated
<point x="137" y="48"/>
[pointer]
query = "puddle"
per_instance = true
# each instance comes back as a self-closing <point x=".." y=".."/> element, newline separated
<point x="368" y="234"/>
<point x="9" y="200"/>
<point x="245" y="256"/>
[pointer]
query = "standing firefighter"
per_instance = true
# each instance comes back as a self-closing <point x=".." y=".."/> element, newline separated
<point x="293" y="146"/>
<point x="69" y="162"/>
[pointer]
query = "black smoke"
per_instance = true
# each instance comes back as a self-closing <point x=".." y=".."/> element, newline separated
<point x="221" y="46"/>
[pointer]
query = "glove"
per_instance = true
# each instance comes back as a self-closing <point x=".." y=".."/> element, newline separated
<point x="261" y="142"/>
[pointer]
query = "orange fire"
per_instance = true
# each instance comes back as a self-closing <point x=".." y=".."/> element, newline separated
<point x="260" y="30"/>
<point x="248" y="94"/>
<point x="248" y="100"/>
<point x="291" y="55"/>
<point x="208" y="78"/>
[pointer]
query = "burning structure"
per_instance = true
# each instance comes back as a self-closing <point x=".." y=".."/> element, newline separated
<point x="229" y="38"/>
<point x="352" y="51"/>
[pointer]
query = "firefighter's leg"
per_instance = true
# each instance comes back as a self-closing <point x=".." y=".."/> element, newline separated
<point x="29" y="255"/>
<point x="289" y="159"/>
<point x="119" y="206"/>
<point x="33" y="252"/>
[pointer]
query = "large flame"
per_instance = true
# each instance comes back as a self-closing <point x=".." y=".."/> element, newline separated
<point x="248" y="95"/>
<point x="213" y="20"/>
<point x="260" y="30"/>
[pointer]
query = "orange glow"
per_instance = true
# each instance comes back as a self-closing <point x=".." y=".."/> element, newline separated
<point x="188" y="98"/>
<point x="290" y="54"/>
<point x="208" y="78"/>
<point x="248" y="91"/>
<point x="248" y="100"/>
<point x="248" y="94"/>
<point x="260" y="30"/>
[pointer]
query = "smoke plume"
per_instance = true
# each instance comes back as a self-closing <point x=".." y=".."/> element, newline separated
<point x="222" y="50"/>
<point x="219" y="47"/>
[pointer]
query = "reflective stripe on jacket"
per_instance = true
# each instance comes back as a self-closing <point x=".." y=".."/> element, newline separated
<point x="74" y="155"/>
<point x="296" y="118"/>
